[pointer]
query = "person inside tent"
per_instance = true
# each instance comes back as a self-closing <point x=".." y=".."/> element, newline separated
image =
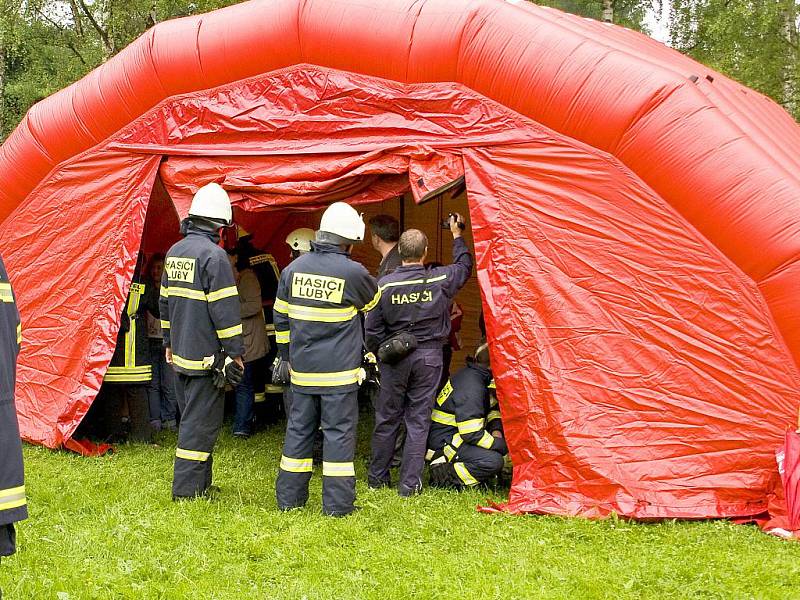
<point x="127" y="412"/>
<point x="320" y="335"/>
<point x="256" y="343"/>
<point x="13" y="505"/>
<point x="466" y="444"/>
<point x="265" y="267"/>
<point x="200" y="311"/>
<point x="384" y="234"/>
<point x="415" y="302"/>
<point x="161" y="391"/>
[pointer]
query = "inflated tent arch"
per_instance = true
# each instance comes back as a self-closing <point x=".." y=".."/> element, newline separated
<point x="635" y="218"/>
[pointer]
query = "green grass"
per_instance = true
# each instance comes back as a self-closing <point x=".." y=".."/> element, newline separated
<point x="106" y="528"/>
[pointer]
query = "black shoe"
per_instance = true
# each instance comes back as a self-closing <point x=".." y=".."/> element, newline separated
<point x="339" y="514"/>
<point x="375" y="484"/>
<point x="242" y="435"/>
<point x="287" y="509"/>
<point x="407" y="492"/>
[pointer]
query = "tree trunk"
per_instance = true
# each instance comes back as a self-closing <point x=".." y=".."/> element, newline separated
<point x="608" y="11"/>
<point x="792" y="60"/>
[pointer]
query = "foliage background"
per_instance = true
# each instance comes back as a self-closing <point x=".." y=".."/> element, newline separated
<point x="47" y="44"/>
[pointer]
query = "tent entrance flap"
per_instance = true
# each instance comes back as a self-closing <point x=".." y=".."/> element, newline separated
<point x="308" y="182"/>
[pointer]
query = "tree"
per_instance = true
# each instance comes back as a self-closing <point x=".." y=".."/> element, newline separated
<point x="752" y="41"/>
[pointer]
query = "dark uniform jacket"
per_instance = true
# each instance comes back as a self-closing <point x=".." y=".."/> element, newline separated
<point x="199" y="302"/>
<point x="13" y="506"/>
<point x="317" y="325"/>
<point x="131" y="361"/>
<point x="390" y="262"/>
<point x="406" y="296"/>
<point x="466" y="413"/>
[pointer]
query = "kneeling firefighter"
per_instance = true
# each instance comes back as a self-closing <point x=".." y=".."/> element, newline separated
<point x="466" y="444"/>
<point x="200" y="312"/>
<point x="319" y="333"/>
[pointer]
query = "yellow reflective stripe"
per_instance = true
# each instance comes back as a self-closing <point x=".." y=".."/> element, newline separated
<point x="281" y="306"/>
<point x="6" y="295"/>
<point x="186" y="363"/>
<point x="270" y="327"/>
<point x="491" y="385"/>
<point x="464" y="475"/>
<point x="449" y="452"/>
<point x="338" y="469"/>
<point x="135" y="296"/>
<point x="438" y="416"/>
<point x="19" y="333"/>
<point x="139" y="369"/>
<point x="273" y="388"/>
<point x="121" y="378"/>
<point x="325" y="379"/>
<point x="296" y="465"/>
<point x="492" y="416"/>
<point x="323" y="315"/>
<point x="192" y="455"/>
<point x="445" y="393"/>
<point x="260" y="397"/>
<point x="372" y="303"/>
<point x="224" y="334"/>
<point x="130" y="345"/>
<point x="471" y="426"/>
<point x="486" y="440"/>
<point x="182" y="292"/>
<point x="429" y="455"/>
<point x="164" y="291"/>
<point x="282" y="337"/>
<point x="413" y="281"/>
<point x="456" y="441"/>
<point x="164" y="324"/>
<point x="222" y="293"/>
<point x="12" y="497"/>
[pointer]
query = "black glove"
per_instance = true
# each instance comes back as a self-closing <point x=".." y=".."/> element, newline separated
<point x="280" y="371"/>
<point x="217" y="372"/>
<point x="233" y="372"/>
<point x="443" y="475"/>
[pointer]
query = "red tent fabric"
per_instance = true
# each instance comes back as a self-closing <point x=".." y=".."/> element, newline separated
<point x="635" y="219"/>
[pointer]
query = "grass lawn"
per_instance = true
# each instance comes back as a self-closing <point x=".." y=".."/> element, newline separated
<point x="106" y="528"/>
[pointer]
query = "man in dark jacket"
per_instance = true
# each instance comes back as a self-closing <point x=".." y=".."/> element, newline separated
<point x="466" y="444"/>
<point x="416" y="300"/>
<point x="13" y="506"/>
<point x="385" y="232"/>
<point x="319" y="333"/>
<point x="203" y="335"/>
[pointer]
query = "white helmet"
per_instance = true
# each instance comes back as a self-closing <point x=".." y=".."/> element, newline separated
<point x="342" y="219"/>
<point x="300" y="239"/>
<point x="212" y="202"/>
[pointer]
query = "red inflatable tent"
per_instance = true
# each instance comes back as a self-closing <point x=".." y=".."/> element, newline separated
<point x="635" y="217"/>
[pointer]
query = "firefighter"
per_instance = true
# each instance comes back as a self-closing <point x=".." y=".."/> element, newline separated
<point x="13" y="506"/>
<point x="417" y="301"/>
<point x="267" y="272"/>
<point x="466" y="445"/>
<point x="299" y="242"/>
<point x="319" y="333"/>
<point x="202" y="335"/>
<point x="126" y="381"/>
